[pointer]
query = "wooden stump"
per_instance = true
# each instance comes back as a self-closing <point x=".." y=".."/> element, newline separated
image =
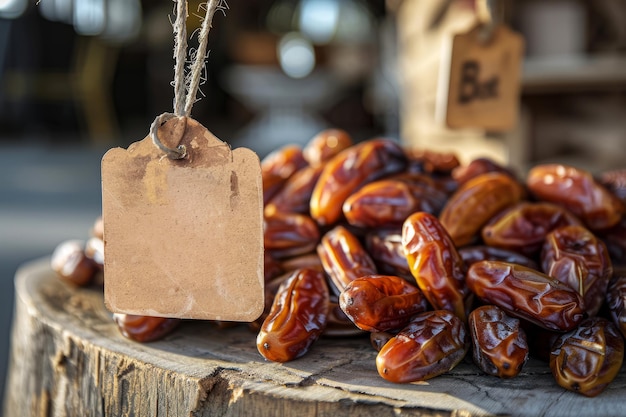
<point x="68" y="359"/>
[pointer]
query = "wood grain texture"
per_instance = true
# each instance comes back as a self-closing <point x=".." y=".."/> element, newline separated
<point x="68" y="359"/>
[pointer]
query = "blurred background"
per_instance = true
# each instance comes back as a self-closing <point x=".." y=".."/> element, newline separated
<point x="80" y="76"/>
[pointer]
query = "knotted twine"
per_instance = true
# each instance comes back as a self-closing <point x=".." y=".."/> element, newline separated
<point x="185" y="86"/>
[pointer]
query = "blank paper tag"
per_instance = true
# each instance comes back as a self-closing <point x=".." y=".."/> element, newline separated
<point x="479" y="80"/>
<point x="183" y="238"/>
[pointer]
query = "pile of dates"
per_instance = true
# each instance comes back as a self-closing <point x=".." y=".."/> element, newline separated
<point x="435" y="260"/>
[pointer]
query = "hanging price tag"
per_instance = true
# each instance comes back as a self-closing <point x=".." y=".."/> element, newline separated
<point x="480" y="79"/>
<point x="183" y="237"/>
<point x="182" y="213"/>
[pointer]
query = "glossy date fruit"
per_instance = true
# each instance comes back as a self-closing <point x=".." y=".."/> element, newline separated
<point x="523" y="227"/>
<point x="71" y="264"/>
<point x="387" y="203"/>
<point x="528" y="294"/>
<point x="576" y="257"/>
<point x="349" y="170"/>
<point x="325" y="145"/>
<point x="344" y="258"/>
<point x="378" y="303"/>
<point x="588" y="358"/>
<point x="277" y="167"/>
<point x="295" y="194"/>
<point x="476" y="202"/>
<point x="499" y="343"/>
<point x="432" y="344"/>
<point x="297" y="318"/>
<point x="476" y="167"/>
<point x="144" y="328"/>
<point x="289" y="234"/>
<point x="385" y="248"/>
<point x="616" y="300"/>
<point x="576" y="190"/>
<point x="436" y="265"/>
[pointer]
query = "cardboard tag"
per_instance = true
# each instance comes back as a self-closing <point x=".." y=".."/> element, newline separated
<point x="480" y="80"/>
<point x="183" y="238"/>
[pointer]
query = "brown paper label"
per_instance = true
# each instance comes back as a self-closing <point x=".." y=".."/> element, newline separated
<point x="480" y="82"/>
<point x="183" y="238"/>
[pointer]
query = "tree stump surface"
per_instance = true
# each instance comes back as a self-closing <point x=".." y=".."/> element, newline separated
<point x="69" y="359"/>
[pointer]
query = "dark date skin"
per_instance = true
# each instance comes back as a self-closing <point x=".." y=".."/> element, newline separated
<point x="576" y="190"/>
<point x="71" y="264"/>
<point x="297" y="317"/>
<point x="523" y="227"/>
<point x="431" y="345"/>
<point x="343" y="257"/>
<point x="476" y="202"/>
<point x="289" y="234"/>
<point x="436" y="265"/>
<point x="473" y="254"/>
<point x="379" y="303"/>
<point x="385" y="248"/>
<point x="350" y="169"/>
<point x="616" y="300"/>
<point x="387" y="203"/>
<point x="476" y="167"/>
<point x="277" y="167"/>
<point x="576" y="257"/>
<point x="588" y="358"/>
<point x="500" y="347"/>
<point x="615" y="241"/>
<point x="144" y="328"/>
<point x="295" y="194"/>
<point x="528" y="294"/>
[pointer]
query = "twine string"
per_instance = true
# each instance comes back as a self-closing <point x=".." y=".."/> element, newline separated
<point x="185" y="88"/>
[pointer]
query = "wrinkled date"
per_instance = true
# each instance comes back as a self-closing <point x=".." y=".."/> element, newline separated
<point x="378" y="303"/>
<point x="499" y="343"/>
<point x="344" y="258"/>
<point x="289" y="234"/>
<point x="432" y="344"/>
<point x="575" y="257"/>
<point x="144" y="328"/>
<point x="387" y="203"/>
<point x="577" y="191"/>
<point x="277" y="167"/>
<point x="297" y="317"/>
<point x="476" y="202"/>
<point x="71" y="263"/>
<point x="616" y="300"/>
<point x="523" y="227"/>
<point x="588" y="358"/>
<point x="476" y="167"/>
<point x="435" y="263"/>
<point x="385" y="248"/>
<point x="350" y="169"/>
<point x="325" y="145"/>
<point x="527" y="294"/>
<point x="295" y="194"/>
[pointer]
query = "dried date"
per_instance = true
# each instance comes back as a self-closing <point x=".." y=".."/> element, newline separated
<point x="477" y="167"/>
<point x="473" y="254"/>
<point x="616" y="300"/>
<point x="385" y="248"/>
<point x="144" y="328"/>
<point x="574" y="256"/>
<point x="432" y="344"/>
<point x="436" y="265"/>
<point x="500" y="347"/>
<point x="343" y="257"/>
<point x="387" y="203"/>
<point x="378" y="303"/>
<point x="528" y="294"/>
<point x="297" y="318"/>
<point x="289" y="234"/>
<point x="71" y="264"/>
<point x="295" y="194"/>
<point x="349" y="170"/>
<point x="325" y="145"/>
<point x="277" y="167"/>
<point x="523" y="227"/>
<point x="588" y="358"/>
<point x="476" y="202"/>
<point x="576" y="190"/>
